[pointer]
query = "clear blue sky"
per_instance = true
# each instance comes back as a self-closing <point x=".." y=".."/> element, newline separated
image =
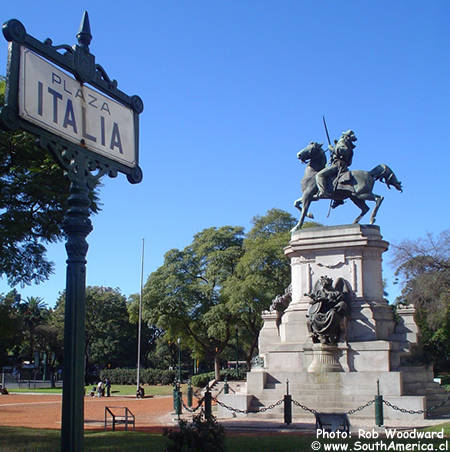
<point x="232" y="90"/>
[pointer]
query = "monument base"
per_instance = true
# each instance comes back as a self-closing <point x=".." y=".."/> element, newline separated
<point x="342" y="377"/>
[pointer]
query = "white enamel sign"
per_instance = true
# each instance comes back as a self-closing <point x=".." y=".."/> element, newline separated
<point x="55" y="101"/>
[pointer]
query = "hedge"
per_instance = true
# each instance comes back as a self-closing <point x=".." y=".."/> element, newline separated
<point x="201" y="380"/>
<point x="146" y="376"/>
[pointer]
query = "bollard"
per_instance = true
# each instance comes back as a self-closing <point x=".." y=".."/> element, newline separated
<point x="189" y="394"/>
<point x="379" y="407"/>
<point x="226" y="387"/>
<point x="287" y="409"/>
<point x="175" y="395"/>
<point x="287" y="406"/>
<point x="207" y="403"/>
<point x="178" y="400"/>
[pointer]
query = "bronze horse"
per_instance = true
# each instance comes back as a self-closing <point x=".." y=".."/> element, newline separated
<point x="358" y="187"/>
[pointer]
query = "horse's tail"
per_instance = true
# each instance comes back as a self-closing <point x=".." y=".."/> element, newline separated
<point x="384" y="174"/>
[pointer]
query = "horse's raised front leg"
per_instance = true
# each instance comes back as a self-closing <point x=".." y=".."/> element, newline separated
<point x="304" y="213"/>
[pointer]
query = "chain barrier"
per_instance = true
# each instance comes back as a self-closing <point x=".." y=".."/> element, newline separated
<point x="259" y="410"/>
<point x="193" y="410"/>
<point x="360" y="408"/>
<point x="403" y="410"/>
<point x="304" y="407"/>
<point x="312" y="411"/>
<point x="220" y="392"/>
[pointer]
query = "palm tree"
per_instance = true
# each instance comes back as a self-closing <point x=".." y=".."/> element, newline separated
<point x="33" y="312"/>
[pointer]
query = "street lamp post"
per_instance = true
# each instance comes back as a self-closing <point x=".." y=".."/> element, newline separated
<point x="237" y="351"/>
<point x="178" y="386"/>
<point x="179" y="361"/>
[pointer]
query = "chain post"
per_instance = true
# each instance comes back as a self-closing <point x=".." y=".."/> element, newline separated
<point x="178" y="402"/>
<point x="207" y="399"/>
<point x="287" y="405"/>
<point x="226" y="387"/>
<point x="189" y="393"/>
<point x="379" y="420"/>
<point x="174" y="395"/>
<point x="287" y="409"/>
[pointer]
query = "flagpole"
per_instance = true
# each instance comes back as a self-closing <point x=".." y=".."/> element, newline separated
<point x="140" y="320"/>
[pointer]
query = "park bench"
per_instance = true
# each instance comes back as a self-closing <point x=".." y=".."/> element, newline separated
<point x="119" y="415"/>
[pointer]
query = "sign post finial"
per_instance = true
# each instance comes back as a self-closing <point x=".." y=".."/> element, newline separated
<point x="84" y="35"/>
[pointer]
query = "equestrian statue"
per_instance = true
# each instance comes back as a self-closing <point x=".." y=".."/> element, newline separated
<point x="336" y="182"/>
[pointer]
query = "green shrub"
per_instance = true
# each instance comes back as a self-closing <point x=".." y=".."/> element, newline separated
<point x="201" y="380"/>
<point x="205" y="435"/>
<point x="147" y="376"/>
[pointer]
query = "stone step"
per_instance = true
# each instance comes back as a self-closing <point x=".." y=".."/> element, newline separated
<point x="271" y="394"/>
<point x="416" y="374"/>
<point x="437" y="399"/>
<point x="439" y="405"/>
<point x="423" y="388"/>
<point x="360" y="388"/>
<point x="320" y="405"/>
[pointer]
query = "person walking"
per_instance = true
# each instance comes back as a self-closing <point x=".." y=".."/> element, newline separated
<point x="108" y="387"/>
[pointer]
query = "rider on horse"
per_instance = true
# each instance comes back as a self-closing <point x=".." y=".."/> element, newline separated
<point x="341" y="159"/>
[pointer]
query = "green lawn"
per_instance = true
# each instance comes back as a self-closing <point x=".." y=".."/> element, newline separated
<point x="115" y="390"/>
<point x="23" y="439"/>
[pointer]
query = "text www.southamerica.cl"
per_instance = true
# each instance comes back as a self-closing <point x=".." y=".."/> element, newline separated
<point x="388" y="440"/>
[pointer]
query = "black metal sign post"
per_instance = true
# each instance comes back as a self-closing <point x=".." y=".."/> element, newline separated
<point x="64" y="114"/>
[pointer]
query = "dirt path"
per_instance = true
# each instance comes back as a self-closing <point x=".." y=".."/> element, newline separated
<point x="44" y="411"/>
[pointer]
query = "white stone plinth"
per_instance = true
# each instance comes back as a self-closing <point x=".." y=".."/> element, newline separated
<point x="325" y="359"/>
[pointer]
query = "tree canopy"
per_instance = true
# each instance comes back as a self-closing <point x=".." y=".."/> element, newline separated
<point x="33" y="197"/>
<point x="222" y="281"/>
<point x="423" y="268"/>
<point x="109" y="334"/>
<point x="185" y="296"/>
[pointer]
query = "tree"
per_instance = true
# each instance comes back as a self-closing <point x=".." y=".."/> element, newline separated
<point x="33" y="200"/>
<point x="10" y="325"/>
<point x="263" y="273"/>
<point x="423" y="268"/>
<point x="33" y="312"/>
<point x="110" y="337"/>
<point x="26" y="328"/>
<point x="49" y="343"/>
<point x="185" y="297"/>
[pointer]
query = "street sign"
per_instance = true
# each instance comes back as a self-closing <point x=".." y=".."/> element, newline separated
<point x="55" y="101"/>
<point x="60" y="94"/>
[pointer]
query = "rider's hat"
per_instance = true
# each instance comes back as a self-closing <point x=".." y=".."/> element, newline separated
<point x="349" y="133"/>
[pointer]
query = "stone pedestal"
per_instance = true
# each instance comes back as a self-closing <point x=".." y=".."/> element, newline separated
<point x="352" y="252"/>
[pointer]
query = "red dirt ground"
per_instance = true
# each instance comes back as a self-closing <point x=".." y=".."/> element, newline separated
<point x="44" y="411"/>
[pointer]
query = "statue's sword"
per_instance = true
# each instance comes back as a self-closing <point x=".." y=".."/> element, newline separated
<point x="326" y="130"/>
<point x="329" y="142"/>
